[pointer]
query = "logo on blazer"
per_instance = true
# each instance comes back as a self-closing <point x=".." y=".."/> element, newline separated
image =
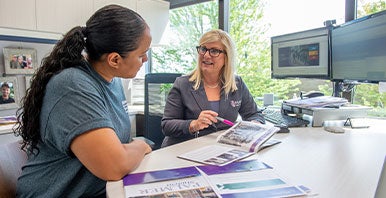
<point x="235" y="103"/>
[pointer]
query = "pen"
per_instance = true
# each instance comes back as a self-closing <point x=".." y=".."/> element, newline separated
<point x="225" y="121"/>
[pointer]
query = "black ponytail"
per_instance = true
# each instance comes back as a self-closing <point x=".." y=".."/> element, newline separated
<point x="66" y="53"/>
<point x="112" y="28"/>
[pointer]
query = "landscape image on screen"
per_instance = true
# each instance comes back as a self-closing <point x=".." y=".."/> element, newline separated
<point x="300" y="55"/>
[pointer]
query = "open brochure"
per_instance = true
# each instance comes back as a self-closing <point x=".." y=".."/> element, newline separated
<point x="238" y="142"/>
<point x="248" y="135"/>
<point x="250" y="178"/>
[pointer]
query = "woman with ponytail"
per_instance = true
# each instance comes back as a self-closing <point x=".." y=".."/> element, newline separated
<point x="73" y="119"/>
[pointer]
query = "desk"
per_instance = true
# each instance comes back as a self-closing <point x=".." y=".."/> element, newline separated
<point x="332" y="165"/>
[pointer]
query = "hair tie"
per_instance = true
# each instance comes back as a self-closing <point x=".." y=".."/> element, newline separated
<point x="84" y="32"/>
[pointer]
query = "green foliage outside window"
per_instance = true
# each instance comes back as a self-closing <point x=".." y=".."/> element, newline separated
<point x="189" y="23"/>
<point x="254" y="56"/>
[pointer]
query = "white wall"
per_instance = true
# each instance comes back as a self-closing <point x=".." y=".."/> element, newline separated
<point x="58" y="16"/>
<point x="50" y="19"/>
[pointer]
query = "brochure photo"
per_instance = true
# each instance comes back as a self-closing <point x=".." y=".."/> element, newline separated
<point x="248" y="135"/>
<point x="238" y="142"/>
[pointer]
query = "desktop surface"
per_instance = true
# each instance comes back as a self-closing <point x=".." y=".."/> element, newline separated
<point x="330" y="164"/>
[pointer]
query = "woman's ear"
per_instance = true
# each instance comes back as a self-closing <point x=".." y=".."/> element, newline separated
<point x="113" y="59"/>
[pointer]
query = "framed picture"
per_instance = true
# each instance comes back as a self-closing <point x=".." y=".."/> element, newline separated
<point x="19" y="60"/>
<point x="27" y="81"/>
<point x="9" y="93"/>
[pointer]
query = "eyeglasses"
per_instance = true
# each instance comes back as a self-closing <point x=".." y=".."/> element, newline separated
<point x="212" y="52"/>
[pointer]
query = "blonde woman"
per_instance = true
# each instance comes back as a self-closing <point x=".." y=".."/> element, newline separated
<point x="211" y="90"/>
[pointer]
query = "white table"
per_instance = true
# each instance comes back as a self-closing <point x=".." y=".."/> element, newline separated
<point x="331" y="165"/>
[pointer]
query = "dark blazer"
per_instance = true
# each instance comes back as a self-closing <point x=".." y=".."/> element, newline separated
<point x="185" y="104"/>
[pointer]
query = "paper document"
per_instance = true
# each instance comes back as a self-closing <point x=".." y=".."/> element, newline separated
<point x="219" y="155"/>
<point x="238" y="142"/>
<point x="181" y="182"/>
<point x="250" y="178"/>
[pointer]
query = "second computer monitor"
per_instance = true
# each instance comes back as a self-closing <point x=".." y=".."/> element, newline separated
<point x="359" y="50"/>
<point x="301" y="55"/>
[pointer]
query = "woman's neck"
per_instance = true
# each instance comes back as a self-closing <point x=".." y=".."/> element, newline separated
<point x="211" y="83"/>
<point x="211" y="80"/>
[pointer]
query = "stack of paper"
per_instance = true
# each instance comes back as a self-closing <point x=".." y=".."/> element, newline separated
<point x="317" y="102"/>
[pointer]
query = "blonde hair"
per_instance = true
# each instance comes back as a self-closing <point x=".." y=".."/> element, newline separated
<point x="227" y="75"/>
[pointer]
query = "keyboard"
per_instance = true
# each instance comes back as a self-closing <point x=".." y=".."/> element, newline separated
<point x="276" y="117"/>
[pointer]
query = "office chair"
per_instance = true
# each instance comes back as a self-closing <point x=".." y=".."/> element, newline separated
<point x="157" y="86"/>
<point x="12" y="158"/>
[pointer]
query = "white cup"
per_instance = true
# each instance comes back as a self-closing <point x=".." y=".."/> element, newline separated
<point x="268" y="99"/>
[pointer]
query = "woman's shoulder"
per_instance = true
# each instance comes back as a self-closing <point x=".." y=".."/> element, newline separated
<point x="73" y="73"/>
<point x="182" y="79"/>
<point x="183" y="82"/>
<point x="237" y="77"/>
<point x="240" y="83"/>
<point x="71" y="77"/>
<point x="238" y="80"/>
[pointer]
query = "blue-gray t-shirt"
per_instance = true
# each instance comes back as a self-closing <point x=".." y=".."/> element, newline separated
<point x="76" y="100"/>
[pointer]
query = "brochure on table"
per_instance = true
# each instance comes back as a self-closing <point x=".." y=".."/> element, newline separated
<point x="238" y="142"/>
<point x="250" y="178"/>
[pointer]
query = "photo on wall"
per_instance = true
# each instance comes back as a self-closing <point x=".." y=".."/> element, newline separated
<point x="9" y="93"/>
<point x="27" y="81"/>
<point x="20" y="60"/>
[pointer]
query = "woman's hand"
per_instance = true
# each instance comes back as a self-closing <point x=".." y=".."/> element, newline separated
<point x="204" y="120"/>
<point x="142" y="143"/>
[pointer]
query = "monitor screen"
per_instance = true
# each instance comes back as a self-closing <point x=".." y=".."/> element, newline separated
<point x="302" y="54"/>
<point x="358" y="50"/>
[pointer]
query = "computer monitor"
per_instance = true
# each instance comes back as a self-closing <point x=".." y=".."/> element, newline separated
<point x="301" y="55"/>
<point x="358" y="50"/>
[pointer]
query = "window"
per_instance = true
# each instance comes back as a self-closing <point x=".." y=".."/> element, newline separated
<point x="252" y="24"/>
<point x="262" y="20"/>
<point x="187" y="24"/>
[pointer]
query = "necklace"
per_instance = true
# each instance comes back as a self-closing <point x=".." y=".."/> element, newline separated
<point x="212" y="87"/>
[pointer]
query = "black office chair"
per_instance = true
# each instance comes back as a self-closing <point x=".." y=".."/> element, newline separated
<point x="157" y="86"/>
